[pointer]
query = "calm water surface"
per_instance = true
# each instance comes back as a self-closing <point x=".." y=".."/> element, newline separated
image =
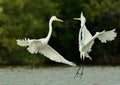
<point x="59" y="76"/>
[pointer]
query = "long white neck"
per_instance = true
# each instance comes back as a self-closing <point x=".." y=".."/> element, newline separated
<point x="50" y="31"/>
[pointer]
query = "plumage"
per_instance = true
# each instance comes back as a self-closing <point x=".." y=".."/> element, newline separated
<point x="41" y="46"/>
<point x="86" y="40"/>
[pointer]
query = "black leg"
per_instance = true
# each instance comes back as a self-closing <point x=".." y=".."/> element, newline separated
<point x="80" y="67"/>
<point x="77" y="71"/>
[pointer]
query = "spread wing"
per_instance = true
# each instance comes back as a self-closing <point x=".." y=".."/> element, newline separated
<point x="88" y="46"/>
<point x="107" y="36"/>
<point x="103" y="36"/>
<point x="54" y="55"/>
<point x="35" y="46"/>
<point x="23" y="42"/>
<point x="86" y="35"/>
<point x="86" y="39"/>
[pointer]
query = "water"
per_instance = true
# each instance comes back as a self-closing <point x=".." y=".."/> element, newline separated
<point x="60" y="76"/>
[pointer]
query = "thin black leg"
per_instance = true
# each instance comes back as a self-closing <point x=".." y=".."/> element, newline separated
<point x="80" y="67"/>
<point x="77" y="71"/>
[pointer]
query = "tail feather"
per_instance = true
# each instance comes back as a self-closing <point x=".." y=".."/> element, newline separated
<point x="84" y="54"/>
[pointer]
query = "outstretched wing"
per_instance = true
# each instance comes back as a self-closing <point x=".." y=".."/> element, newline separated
<point x="23" y="42"/>
<point x="103" y="36"/>
<point x="35" y="46"/>
<point x="54" y="55"/>
<point x="86" y="35"/>
<point x="86" y="39"/>
<point x="87" y="47"/>
<point x="107" y="36"/>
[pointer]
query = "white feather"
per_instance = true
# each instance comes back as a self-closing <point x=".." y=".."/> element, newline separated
<point x="103" y="36"/>
<point x="22" y="42"/>
<point x="86" y="40"/>
<point x="41" y="46"/>
<point x="107" y="36"/>
<point x="86" y="35"/>
<point x="36" y="46"/>
<point x="54" y="55"/>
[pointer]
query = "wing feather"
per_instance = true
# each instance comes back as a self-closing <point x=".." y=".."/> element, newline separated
<point x="35" y="46"/>
<point x="22" y="42"/>
<point x="54" y="55"/>
<point x="86" y="35"/>
<point x="103" y="36"/>
<point x="107" y="36"/>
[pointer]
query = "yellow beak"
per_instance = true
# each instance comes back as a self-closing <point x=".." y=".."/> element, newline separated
<point x="59" y="20"/>
<point x="76" y="18"/>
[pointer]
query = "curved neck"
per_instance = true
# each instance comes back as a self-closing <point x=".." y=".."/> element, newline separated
<point x="50" y="30"/>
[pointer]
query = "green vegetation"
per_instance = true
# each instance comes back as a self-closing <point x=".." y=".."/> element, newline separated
<point x="29" y="19"/>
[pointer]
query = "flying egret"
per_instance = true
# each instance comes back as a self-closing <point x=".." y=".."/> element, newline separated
<point x="86" y="40"/>
<point x="41" y="45"/>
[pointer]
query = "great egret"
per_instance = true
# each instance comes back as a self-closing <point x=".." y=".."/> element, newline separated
<point x="86" y="40"/>
<point x="41" y="45"/>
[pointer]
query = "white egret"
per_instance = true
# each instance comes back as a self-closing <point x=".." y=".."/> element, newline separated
<point x="86" y="40"/>
<point x="41" y="46"/>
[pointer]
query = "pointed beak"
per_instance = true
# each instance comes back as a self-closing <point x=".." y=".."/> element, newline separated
<point x="76" y="18"/>
<point x="59" y="20"/>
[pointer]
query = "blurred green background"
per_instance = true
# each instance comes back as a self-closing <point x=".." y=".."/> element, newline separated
<point x="29" y="19"/>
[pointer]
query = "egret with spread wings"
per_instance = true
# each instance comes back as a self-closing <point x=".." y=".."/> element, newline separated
<point x="86" y="40"/>
<point x="41" y="45"/>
